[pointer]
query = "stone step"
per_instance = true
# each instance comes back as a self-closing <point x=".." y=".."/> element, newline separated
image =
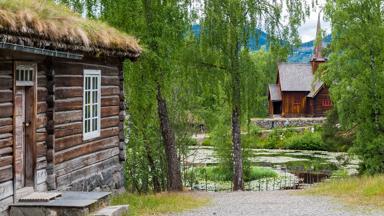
<point x="69" y="204"/>
<point x="119" y="210"/>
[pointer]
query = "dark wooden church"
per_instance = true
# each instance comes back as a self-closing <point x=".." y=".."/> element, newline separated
<point x="62" y="106"/>
<point x="298" y="92"/>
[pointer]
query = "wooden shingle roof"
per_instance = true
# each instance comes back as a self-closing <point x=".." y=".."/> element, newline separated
<point x="316" y="87"/>
<point x="295" y="77"/>
<point x="275" y="92"/>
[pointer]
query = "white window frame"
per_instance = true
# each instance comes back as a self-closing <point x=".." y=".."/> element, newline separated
<point x="25" y="68"/>
<point x="95" y="133"/>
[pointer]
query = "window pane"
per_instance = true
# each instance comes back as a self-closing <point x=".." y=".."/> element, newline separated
<point x="86" y="83"/>
<point x="94" y="96"/>
<point x="94" y="110"/>
<point x="86" y="126"/>
<point x="88" y="112"/>
<point x="94" y="82"/>
<point x="94" y="124"/>
<point x="89" y="83"/>
<point x="21" y="74"/>
<point x="88" y="97"/>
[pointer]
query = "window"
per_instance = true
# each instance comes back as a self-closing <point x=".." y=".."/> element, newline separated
<point x="25" y="74"/>
<point x="326" y="103"/>
<point x="91" y="108"/>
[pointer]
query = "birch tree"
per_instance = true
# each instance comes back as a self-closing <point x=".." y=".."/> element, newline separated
<point x="226" y="27"/>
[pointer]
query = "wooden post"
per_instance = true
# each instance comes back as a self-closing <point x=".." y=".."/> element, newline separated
<point x="50" y="128"/>
<point x="14" y="130"/>
<point x="122" y="155"/>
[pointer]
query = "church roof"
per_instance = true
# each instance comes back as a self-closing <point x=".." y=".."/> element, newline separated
<point x="275" y="92"/>
<point x="295" y="77"/>
<point x="316" y="86"/>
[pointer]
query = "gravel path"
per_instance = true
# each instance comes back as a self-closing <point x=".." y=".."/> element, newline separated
<point x="276" y="203"/>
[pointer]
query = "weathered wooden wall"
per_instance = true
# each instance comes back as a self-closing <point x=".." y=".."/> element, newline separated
<point x="292" y="109"/>
<point x="6" y="135"/>
<point x="84" y="165"/>
<point x="64" y="161"/>
<point x="319" y="109"/>
<point x="41" y="132"/>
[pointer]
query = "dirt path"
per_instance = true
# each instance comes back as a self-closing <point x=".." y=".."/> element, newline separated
<point x="276" y="203"/>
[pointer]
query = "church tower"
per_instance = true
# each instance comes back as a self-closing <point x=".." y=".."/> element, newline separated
<point x="317" y="57"/>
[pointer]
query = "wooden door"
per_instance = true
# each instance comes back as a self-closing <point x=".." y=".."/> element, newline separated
<point x="20" y="137"/>
<point x="24" y="143"/>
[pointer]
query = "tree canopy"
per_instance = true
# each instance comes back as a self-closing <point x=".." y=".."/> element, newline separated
<point x="355" y="75"/>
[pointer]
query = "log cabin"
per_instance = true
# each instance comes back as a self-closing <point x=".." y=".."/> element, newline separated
<point x="298" y="92"/>
<point x="62" y="106"/>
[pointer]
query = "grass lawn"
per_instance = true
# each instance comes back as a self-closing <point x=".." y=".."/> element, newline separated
<point x="364" y="190"/>
<point x="157" y="204"/>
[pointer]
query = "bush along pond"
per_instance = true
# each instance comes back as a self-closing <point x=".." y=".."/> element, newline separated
<point x="270" y="169"/>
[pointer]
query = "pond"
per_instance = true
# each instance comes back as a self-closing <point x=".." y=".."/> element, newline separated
<point x="294" y="168"/>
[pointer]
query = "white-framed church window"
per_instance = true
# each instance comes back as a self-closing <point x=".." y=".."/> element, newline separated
<point x="91" y="104"/>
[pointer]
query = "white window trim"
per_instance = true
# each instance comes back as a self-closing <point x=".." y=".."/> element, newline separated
<point x="26" y="66"/>
<point x="96" y="133"/>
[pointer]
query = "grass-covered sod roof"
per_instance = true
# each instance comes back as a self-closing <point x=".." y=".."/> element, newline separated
<point x="44" y="23"/>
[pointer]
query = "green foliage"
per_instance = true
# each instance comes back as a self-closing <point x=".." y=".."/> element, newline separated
<point x="256" y="173"/>
<point x="217" y="173"/>
<point x="258" y="69"/>
<point x="226" y="27"/>
<point x="305" y="141"/>
<point x="334" y="136"/>
<point x="291" y="139"/>
<point x="276" y="139"/>
<point x="341" y="173"/>
<point x="355" y="76"/>
<point x="221" y="140"/>
<point x="206" y="142"/>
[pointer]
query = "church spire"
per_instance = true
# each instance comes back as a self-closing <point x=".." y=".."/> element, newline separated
<point x="319" y="39"/>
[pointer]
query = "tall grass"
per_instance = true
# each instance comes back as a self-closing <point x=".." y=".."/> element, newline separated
<point x="365" y="190"/>
<point x="157" y="204"/>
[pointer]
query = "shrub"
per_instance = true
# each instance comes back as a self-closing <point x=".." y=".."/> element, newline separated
<point x="218" y="173"/>
<point x="256" y="173"/>
<point x="206" y="142"/>
<point x="305" y="141"/>
<point x="333" y="134"/>
<point x="276" y="139"/>
<point x="214" y="173"/>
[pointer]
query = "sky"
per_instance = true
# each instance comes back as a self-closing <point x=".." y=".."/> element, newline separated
<point x="308" y="29"/>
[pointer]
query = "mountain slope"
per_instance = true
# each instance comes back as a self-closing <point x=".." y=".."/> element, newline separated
<point x="302" y="54"/>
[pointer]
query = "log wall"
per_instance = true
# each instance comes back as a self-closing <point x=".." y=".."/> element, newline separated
<point x="86" y="165"/>
<point x="41" y="126"/>
<point x="64" y="161"/>
<point x="6" y="135"/>
<point x="319" y="109"/>
<point x="294" y="104"/>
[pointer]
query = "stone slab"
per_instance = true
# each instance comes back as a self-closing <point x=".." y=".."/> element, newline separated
<point x="69" y="199"/>
<point x="118" y="210"/>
